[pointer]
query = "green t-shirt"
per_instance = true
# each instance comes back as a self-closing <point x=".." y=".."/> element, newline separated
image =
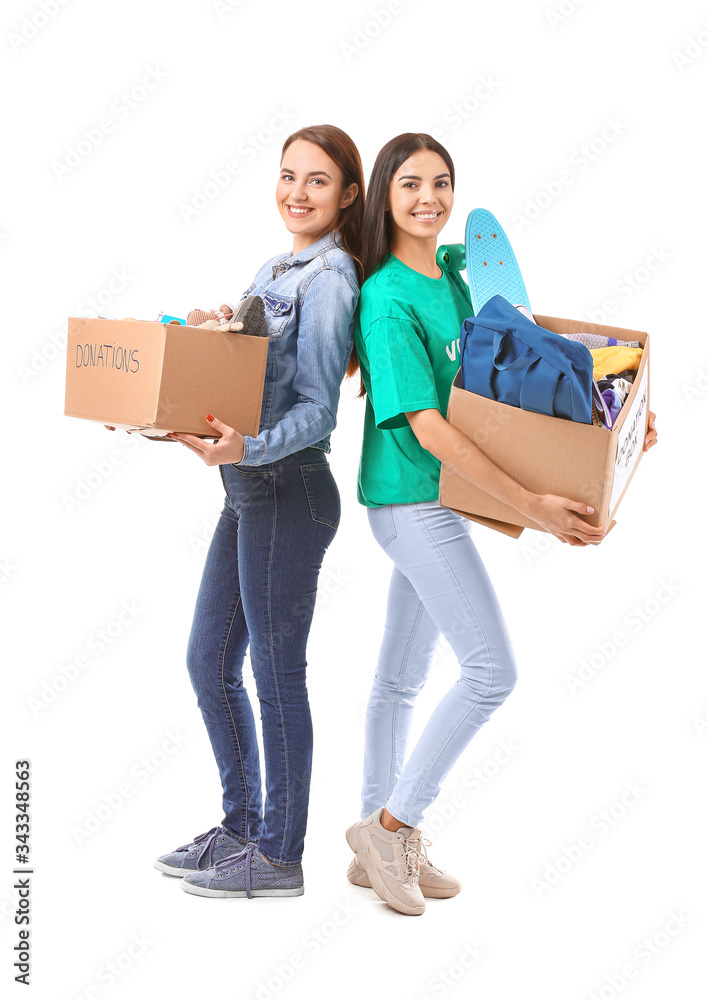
<point x="407" y="340"/>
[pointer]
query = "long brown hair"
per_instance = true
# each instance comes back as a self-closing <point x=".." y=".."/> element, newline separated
<point x="341" y="149"/>
<point x="376" y="236"/>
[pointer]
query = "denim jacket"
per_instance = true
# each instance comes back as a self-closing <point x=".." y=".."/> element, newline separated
<point x="310" y="299"/>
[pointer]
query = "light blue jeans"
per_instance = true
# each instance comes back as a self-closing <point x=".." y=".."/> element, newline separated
<point x="439" y="584"/>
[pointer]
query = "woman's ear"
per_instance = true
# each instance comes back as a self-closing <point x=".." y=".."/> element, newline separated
<point x="349" y="195"/>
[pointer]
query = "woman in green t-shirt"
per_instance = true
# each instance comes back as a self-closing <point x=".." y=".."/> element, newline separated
<point x="410" y="311"/>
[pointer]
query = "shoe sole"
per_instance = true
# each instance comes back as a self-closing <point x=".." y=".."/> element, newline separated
<point x="251" y="312"/>
<point x="380" y="889"/>
<point x="168" y="870"/>
<point x="199" y="890"/>
<point x="362" y="880"/>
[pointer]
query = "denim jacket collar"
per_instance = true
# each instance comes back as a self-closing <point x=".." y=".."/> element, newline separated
<point x="304" y="256"/>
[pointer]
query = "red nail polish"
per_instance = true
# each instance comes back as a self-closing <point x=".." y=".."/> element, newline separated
<point x="209" y="417"/>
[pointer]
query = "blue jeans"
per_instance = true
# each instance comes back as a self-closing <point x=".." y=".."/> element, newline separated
<point x="259" y="588"/>
<point x="439" y="584"/>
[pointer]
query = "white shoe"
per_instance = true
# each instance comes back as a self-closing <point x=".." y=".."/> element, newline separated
<point x="391" y="862"/>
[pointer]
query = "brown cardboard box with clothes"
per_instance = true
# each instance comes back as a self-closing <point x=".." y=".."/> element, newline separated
<point x="550" y="454"/>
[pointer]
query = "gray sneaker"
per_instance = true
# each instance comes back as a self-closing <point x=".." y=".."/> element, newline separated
<point x="203" y="852"/>
<point x="391" y="862"/>
<point x="245" y="874"/>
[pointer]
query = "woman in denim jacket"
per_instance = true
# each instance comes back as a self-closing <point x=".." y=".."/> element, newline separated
<point x="281" y="512"/>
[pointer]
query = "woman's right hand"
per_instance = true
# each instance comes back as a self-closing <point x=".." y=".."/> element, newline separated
<point x="559" y="516"/>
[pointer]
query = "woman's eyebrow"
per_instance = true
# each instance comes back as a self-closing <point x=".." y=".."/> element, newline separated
<point x="312" y="173"/>
<point x="412" y="177"/>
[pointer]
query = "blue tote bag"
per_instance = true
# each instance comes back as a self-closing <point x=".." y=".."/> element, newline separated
<point x="506" y="357"/>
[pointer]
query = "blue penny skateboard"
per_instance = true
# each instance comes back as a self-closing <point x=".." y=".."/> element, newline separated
<point x="492" y="268"/>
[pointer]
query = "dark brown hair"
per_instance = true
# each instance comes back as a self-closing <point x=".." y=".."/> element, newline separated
<point x="376" y="235"/>
<point x="377" y="224"/>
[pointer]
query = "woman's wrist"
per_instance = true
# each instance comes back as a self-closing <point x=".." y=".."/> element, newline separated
<point x="529" y="504"/>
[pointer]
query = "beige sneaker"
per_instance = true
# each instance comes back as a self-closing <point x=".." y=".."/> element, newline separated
<point x="391" y="862"/>
<point x="434" y="882"/>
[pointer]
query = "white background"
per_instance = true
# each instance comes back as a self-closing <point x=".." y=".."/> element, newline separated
<point x="537" y="83"/>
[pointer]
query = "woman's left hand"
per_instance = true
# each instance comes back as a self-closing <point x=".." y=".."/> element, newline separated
<point x="651" y="437"/>
<point x="228" y="448"/>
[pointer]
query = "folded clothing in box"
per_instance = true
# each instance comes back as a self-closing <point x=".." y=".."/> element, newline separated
<point x="505" y="355"/>
<point x="585" y="462"/>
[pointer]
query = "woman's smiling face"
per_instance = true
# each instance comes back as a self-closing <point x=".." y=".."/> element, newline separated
<point x="420" y="196"/>
<point x="309" y="193"/>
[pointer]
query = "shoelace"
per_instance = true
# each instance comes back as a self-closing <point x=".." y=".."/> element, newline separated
<point x="412" y="854"/>
<point x="206" y="841"/>
<point x="424" y="859"/>
<point x="242" y="857"/>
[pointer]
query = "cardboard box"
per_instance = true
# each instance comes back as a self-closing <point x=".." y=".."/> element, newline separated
<point x="550" y="454"/>
<point x="157" y="377"/>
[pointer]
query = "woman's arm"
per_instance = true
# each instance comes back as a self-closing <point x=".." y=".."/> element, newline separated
<point x="558" y="515"/>
<point x="324" y="342"/>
